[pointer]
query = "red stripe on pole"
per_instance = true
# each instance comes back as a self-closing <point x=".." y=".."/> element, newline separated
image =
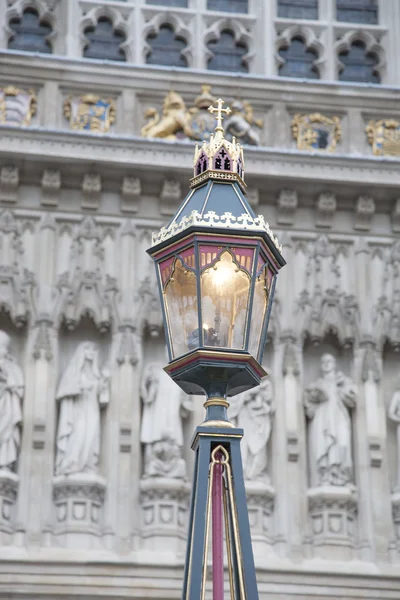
<point x="217" y="532"/>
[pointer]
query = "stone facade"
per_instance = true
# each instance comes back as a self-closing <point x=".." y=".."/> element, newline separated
<point x="78" y="204"/>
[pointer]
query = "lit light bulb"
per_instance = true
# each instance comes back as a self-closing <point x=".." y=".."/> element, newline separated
<point x="222" y="272"/>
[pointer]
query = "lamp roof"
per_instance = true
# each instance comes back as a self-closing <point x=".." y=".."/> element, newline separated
<point x="217" y="198"/>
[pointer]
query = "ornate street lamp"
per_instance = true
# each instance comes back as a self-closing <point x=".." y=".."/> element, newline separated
<point x="216" y="265"/>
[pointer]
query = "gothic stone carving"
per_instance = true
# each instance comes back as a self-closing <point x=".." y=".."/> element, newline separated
<point x="164" y="405"/>
<point x="253" y="411"/>
<point x="90" y="112"/>
<point x="17" y="106"/>
<point x="396" y="216"/>
<point x="260" y="503"/>
<point x="365" y="210"/>
<point x="16" y="283"/>
<point x="164" y="506"/>
<point x="51" y="186"/>
<point x="394" y="415"/>
<point x="316" y="132"/>
<point x="130" y="194"/>
<point x="8" y="496"/>
<point x="91" y="191"/>
<point x="170" y="196"/>
<point x="9" y="181"/>
<point x="11" y="394"/>
<point x="326" y="208"/>
<point x="332" y="512"/>
<point x="86" y="289"/>
<point x="286" y="208"/>
<point x="327" y="401"/>
<point x="83" y="389"/>
<point x="396" y="512"/>
<point x="384" y="137"/>
<point x="78" y="503"/>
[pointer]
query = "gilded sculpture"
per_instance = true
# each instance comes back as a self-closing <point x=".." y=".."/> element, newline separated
<point x="316" y="132"/>
<point x="17" y="106"/>
<point x="196" y="123"/>
<point x="173" y="121"/>
<point x="384" y="137"/>
<point x="90" y="112"/>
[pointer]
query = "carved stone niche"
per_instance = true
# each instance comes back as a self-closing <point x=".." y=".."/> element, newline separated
<point x="78" y="510"/>
<point x="260" y="503"/>
<point x="164" y="514"/>
<point x="8" y="495"/>
<point x="333" y="511"/>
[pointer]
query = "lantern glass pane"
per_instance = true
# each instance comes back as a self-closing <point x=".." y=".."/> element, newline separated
<point x="181" y="308"/>
<point x="225" y="289"/>
<point x="262" y="290"/>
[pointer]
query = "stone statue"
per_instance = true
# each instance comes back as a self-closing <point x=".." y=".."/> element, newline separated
<point x="240" y="124"/>
<point x="394" y="415"/>
<point x="11" y="394"/>
<point x="327" y="402"/>
<point x="253" y="411"/>
<point x="175" y="118"/>
<point x="164" y="406"/>
<point x="83" y="389"/>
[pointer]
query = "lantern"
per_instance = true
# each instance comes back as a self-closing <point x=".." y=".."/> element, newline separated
<point x="216" y="264"/>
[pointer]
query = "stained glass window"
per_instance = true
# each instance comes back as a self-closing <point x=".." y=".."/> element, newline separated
<point x="298" y="9"/>
<point x="227" y="54"/>
<point x="104" y="41"/>
<point x="357" y="11"/>
<point x="166" y="48"/>
<point x="29" y="33"/>
<point x="299" y="61"/>
<point x="358" y="64"/>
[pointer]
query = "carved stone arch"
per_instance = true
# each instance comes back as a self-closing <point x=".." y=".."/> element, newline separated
<point x="118" y="22"/>
<point x="180" y="28"/>
<point x="311" y="42"/>
<point x="16" y="10"/>
<point x="240" y="33"/>
<point x="372" y="46"/>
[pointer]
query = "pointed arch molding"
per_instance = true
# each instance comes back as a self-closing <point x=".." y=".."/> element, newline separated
<point x="16" y="10"/>
<point x="240" y="33"/>
<point x="310" y="39"/>
<point x="181" y="30"/>
<point x="91" y="19"/>
<point x="372" y="46"/>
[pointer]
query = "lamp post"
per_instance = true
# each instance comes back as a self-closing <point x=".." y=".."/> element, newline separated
<point x="216" y="265"/>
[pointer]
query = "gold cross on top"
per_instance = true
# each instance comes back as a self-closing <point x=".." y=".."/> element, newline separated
<point x="218" y="111"/>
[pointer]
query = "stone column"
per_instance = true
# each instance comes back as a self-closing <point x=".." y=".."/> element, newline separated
<point x="37" y="456"/>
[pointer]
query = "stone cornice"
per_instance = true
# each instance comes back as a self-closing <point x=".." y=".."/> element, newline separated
<point x="113" y="152"/>
<point x="33" y="69"/>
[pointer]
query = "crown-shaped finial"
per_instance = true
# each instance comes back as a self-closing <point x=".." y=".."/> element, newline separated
<point x="219" y="158"/>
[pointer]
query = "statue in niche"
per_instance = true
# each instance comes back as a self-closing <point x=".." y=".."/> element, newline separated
<point x="327" y="402"/>
<point x="164" y="406"/>
<point x="11" y="394"/>
<point x="253" y="412"/>
<point x="82" y="391"/>
<point x="394" y="415"/>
